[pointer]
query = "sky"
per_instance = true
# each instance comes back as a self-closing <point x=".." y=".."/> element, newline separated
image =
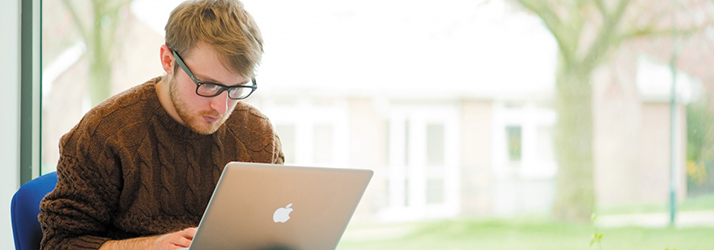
<point x="427" y="48"/>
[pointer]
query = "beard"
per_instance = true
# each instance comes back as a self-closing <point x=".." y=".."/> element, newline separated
<point x="194" y="119"/>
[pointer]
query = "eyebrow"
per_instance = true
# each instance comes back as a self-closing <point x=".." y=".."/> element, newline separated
<point x="207" y="79"/>
<point x="201" y="77"/>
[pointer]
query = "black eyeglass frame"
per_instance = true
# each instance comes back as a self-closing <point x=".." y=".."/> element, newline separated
<point x="198" y="83"/>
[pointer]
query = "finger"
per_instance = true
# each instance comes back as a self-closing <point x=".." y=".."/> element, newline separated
<point x="189" y="233"/>
<point x="181" y="241"/>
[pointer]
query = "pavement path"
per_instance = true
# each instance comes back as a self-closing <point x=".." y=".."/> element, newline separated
<point x="682" y="219"/>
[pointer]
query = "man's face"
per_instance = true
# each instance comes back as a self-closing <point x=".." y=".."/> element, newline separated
<point x="203" y="115"/>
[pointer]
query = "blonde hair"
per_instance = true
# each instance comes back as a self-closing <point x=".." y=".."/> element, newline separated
<point x="224" y="25"/>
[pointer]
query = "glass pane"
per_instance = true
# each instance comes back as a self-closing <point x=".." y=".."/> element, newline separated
<point x="545" y="144"/>
<point x="387" y="141"/>
<point x="609" y="89"/>
<point x="86" y="58"/>
<point x="514" y="141"/>
<point x="407" y="144"/>
<point x="381" y="198"/>
<point x="435" y="191"/>
<point x="407" y="192"/>
<point x="62" y="47"/>
<point x="323" y="147"/>
<point x="435" y="144"/>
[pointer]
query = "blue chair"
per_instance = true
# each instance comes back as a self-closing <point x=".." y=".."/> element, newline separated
<point x="24" y="210"/>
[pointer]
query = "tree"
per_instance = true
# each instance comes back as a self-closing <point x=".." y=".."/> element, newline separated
<point x="99" y="35"/>
<point x="587" y="32"/>
<point x="700" y="146"/>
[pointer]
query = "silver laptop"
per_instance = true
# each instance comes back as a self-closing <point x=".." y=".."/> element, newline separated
<point x="265" y="206"/>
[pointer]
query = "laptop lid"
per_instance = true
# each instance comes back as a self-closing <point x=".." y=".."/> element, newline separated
<point x="267" y="206"/>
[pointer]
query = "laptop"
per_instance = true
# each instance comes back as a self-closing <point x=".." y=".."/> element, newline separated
<point x="276" y="207"/>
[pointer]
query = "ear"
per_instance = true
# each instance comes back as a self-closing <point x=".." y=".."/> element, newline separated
<point x="167" y="60"/>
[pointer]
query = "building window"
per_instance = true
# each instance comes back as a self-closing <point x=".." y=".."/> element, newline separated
<point x="312" y="131"/>
<point x="322" y="141"/>
<point x="514" y="142"/>
<point x="435" y="144"/>
<point x="435" y="191"/>
<point x="423" y="162"/>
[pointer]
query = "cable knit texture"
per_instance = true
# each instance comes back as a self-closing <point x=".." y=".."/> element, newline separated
<point x="128" y="169"/>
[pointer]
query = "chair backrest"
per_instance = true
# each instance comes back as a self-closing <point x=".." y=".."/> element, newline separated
<point x="24" y="210"/>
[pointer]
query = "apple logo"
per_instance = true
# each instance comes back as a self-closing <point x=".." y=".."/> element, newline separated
<point x="282" y="214"/>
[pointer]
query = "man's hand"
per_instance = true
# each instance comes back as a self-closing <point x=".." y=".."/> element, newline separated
<point x="174" y="240"/>
<point x="169" y="241"/>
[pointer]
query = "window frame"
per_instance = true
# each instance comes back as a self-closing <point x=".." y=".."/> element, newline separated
<point x="30" y="89"/>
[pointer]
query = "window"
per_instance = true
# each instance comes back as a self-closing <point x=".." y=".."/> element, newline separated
<point x="323" y="141"/>
<point x="513" y="140"/>
<point x="435" y="144"/>
<point x="325" y="59"/>
<point x="423" y="155"/>
<point x="312" y="132"/>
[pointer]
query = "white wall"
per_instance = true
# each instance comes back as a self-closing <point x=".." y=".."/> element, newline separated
<point x="10" y="113"/>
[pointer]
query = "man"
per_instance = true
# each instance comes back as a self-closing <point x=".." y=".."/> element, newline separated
<point x="138" y="170"/>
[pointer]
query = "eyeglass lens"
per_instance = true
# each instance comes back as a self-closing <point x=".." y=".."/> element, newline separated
<point x="236" y="92"/>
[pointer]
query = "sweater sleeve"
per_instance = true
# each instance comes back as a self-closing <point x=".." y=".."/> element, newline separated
<point x="255" y="131"/>
<point x="78" y="213"/>
<point x="277" y="151"/>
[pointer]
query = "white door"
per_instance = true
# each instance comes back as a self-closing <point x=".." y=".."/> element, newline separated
<point x="423" y="166"/>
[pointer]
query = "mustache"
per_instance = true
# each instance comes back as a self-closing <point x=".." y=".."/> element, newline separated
<point x="211" y="114"/>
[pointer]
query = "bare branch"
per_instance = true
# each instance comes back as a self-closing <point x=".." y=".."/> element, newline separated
<point x="601" y="7"/>
<point x="644" y="32"/>
<point x="551" y="21"/>
<point x="77" y="20"/>
<point x="651" y="32"/>
<point x="116" y="6"/>
<point x="607" y="35"/>
<point x="620" y="10"/>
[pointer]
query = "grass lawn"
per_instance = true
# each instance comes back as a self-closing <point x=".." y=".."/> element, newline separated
<point x="699" y="203"/>
<point x="520" y="234"/>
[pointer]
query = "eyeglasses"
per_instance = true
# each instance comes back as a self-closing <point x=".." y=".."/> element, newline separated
<point x="210" y="89"/>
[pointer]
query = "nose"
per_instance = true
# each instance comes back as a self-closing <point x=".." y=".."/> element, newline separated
<point x="220" y="102"/>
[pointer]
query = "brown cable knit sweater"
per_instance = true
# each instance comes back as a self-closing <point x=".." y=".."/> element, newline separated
<point x="128" y="169"/>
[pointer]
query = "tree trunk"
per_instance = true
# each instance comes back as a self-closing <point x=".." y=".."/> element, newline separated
<point x="100" y="45"/>
<point x="575" y="196"/>
<point x="99" y="82"/>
